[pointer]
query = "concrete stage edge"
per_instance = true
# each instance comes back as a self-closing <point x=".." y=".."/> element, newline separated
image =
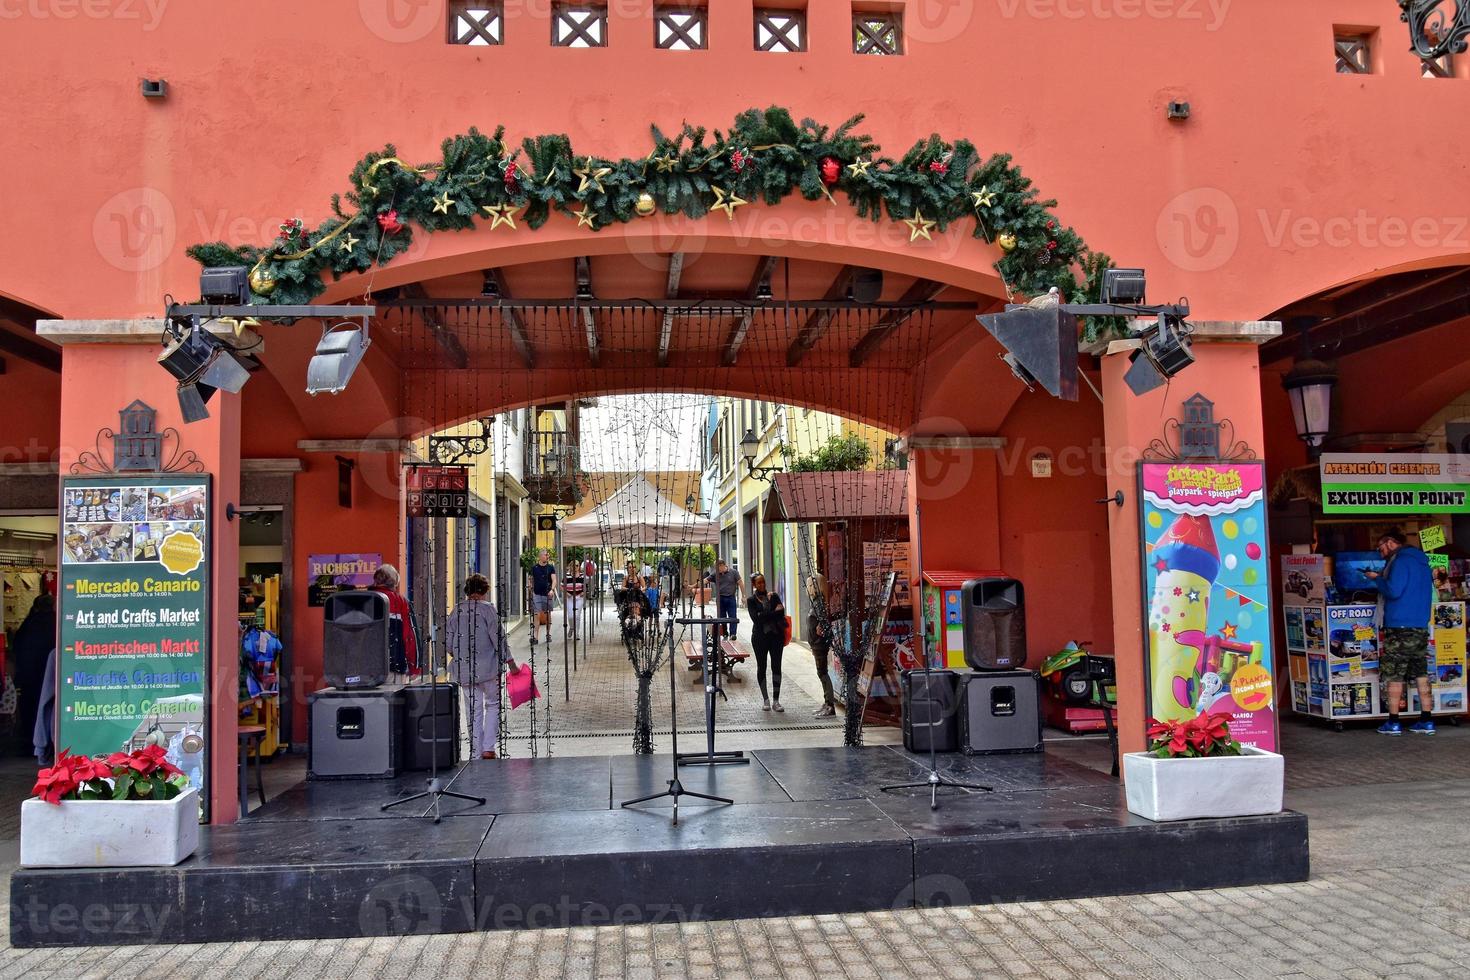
<point x="810" y="832"/>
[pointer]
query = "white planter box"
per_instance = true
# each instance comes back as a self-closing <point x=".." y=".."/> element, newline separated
<point x="1220" y="786"/>
<point x="109" y="833"/>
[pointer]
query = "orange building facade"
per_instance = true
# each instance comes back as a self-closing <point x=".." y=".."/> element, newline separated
<point x="1288" y="180"/>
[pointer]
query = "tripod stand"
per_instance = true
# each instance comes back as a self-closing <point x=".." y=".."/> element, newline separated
<point x="935" y="779"/>
<point x="676" y="789"/>
<point x="712" y="686"/>
<point x="434" y="789"/>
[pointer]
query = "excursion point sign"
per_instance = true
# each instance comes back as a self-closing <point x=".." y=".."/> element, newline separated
<point x="1395" y="483"/>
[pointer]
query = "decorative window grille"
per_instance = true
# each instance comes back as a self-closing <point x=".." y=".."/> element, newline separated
<point x="472" y="22"/>
<point x="1441" y="67"/>
<point x="579" y="25"/>
<point x="879" y="34"/>
<point x="1354" y="54"/>
<point x="780" y="30"/>
<point x="681" y="29"/>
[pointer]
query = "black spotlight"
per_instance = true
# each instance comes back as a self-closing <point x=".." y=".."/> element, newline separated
<point x="225" y="285"/>
<point x="337" y="355"/>
<point x="202" y="364"/>
<point x="867" y="286"/>
<point x="1165" y="352"/>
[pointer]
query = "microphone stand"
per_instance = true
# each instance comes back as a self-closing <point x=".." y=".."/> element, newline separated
<point x="712" y="686"/>
<point x="435" y="789"/>
<point x="676" y="789"/>
<point x="935" y="778"/>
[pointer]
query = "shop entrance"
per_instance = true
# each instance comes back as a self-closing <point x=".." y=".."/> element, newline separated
<point x="28" y="562"/>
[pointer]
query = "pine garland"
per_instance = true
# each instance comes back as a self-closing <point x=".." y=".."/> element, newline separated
<point x="765" y="156"/>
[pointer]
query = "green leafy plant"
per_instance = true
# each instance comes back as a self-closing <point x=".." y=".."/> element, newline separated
<point x="838" y="454"/>
<point x="764" y="156"/>
<point x="143" y="774"/>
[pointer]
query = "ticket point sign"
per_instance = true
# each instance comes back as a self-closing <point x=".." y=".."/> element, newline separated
<point x="134" y="618"/>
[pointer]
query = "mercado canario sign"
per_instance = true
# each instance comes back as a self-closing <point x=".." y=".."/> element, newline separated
<point x="134" y="631"/>
<point x="1395" y="483"/>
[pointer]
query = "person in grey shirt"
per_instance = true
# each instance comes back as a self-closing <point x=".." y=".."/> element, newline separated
<point x="729" y="590"/>
<point x="479" y="653"/>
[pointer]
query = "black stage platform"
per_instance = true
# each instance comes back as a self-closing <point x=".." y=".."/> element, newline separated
<point x="810" y="833"/>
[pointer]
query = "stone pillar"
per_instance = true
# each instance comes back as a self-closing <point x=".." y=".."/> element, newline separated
<point x="105" y="365"/>
<point x="1226" y="371"/>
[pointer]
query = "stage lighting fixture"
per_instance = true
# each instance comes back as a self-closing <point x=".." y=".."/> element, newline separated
<point x="1125" y="287"/>
<point x="1041" y="346"/>
<point x="202" y="364"/>
<point x="337" y="355"/>
<point x="224" y="284"/>
<point x="490" y="288"/>
<point x="1165" y="352"/>
<point x="867" y="286"/>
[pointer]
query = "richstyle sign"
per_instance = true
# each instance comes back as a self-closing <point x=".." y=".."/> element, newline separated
<point x="1207" y="595"/>
<point x="134" y="618"/>
<point x="326" y="575"/>
<point x="1395" y="483"/>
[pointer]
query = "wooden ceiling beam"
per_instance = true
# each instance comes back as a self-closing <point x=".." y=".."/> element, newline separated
<point x="921" y="291"/>
<point x="583" y="268"/>
<point x="816" y="325"/>
<point x="520" y="338"/>
<point x="762" y="277"/>
<point x="666" y="329"/>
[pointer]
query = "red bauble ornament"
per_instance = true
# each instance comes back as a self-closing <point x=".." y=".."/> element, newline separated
<point x="1050" y="225"/>
<point x="512" y="174"/>
<point x="940" y="167"/>
<point x="831" y="170"/>
<point x="1051" y="245"/>
<point x="738" y="160"/>
<point x="389" y="223"/>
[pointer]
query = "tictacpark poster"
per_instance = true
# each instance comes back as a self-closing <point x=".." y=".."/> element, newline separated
<point x="1207" y="595"/>
<point x="134" y="608"/>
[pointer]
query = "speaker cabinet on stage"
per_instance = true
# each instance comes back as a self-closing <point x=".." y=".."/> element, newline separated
<point x="355" y="639"/>
<point x="1000" y="711"/>
<point x="930" y="710"/>
<point x="421" y="704"/>
<point x="355" y="734"/>
<point x="994" y="613"/>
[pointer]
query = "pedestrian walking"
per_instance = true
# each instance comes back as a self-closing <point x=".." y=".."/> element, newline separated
<point x="768" y="639"/>
<point x="728" y="590"/>
<point x="480" y="657"/>
<point x="543" y="594"/>
<point x="819" y="634"/>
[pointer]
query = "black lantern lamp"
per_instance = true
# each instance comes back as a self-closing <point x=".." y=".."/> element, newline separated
<point x="1434" y="31"/>
<point x="1309" y="385"/>
<point x="750" y="448"/>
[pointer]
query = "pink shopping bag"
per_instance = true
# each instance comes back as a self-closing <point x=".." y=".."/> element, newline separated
<point x="520" y="685"/>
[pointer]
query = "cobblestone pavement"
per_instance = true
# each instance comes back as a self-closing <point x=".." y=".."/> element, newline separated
<point x="1389" y="897"/>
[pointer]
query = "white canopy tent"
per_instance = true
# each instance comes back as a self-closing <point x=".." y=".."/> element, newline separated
<point x="638" y="516"/>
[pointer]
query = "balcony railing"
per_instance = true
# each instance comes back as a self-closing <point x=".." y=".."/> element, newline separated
<point x="552" y="456"/>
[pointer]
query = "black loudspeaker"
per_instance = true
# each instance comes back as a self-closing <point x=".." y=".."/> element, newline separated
<point x="1000" y="711"/>
<point x="994" y="612"/>
<point x="930" y="710"/>
<point x="355" y="639"/>
<point x="354" y="734"/>
<point x="1042" y="345"/>
<point x="421" y="704"/>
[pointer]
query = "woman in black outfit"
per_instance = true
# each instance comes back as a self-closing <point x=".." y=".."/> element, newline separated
<point x="34" y="641"/>
<point x="633" y="607"/>
<point x="767" y="638"/>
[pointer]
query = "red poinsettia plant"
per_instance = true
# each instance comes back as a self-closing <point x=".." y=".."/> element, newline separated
<point x="1203" y="735"/>
<point x="143" y="774"/>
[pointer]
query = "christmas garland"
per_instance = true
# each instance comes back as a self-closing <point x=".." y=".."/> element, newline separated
<point x="765" y="156"/>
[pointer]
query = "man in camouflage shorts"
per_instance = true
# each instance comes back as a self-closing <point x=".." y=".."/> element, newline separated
<point x="1408" y="592"/>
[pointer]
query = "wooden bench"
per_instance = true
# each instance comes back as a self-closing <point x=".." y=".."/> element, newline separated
<point x="734" y="652"/>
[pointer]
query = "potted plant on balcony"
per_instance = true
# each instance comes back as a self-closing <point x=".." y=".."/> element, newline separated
<point x="1196" y="769"/>
<point x="129" y="809"/>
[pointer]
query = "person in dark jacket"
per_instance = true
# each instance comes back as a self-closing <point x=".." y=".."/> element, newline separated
<point x="1407" y="588"/>
<point x="767" y="638"/>
<point x="34" y="640"/>
<point x="819" y="635"/>
<point x="633" y="607"/>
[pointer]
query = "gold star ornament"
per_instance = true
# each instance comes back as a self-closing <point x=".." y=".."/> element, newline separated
<point x="591" y="176"/>
<point x="586" y="218"/>
<point x="442" y="203"/>
<point x="501" y="214"/>
<point x="348" y="243"/>
<point x="860" y="168"/>
<point x="726" y="202"/>
<point x="984" y="197"/>
<point x="919" y="227"/>
<point x="665" y="163"/>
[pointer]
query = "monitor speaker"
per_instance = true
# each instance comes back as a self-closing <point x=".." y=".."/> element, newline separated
<point x="994" y="612"/>
<point x="355" y="639"/>
<point x="430" y="724"/>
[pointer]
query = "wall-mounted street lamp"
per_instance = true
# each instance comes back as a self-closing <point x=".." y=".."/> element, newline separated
<point x="1309" y="385"/>
<point x="749" y="448"/>
<point x="1431" y="34"/>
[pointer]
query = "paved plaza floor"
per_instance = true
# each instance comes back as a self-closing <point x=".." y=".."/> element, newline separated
<point x="1389" y="895"/>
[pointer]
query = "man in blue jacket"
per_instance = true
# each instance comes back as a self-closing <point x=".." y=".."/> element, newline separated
<point x="1408" y="591"/>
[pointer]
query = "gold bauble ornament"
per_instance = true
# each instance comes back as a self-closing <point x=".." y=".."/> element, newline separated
<point x="1007" y="241"/>
<point x="645" y="205"/>
<point x="262" y="281"/>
